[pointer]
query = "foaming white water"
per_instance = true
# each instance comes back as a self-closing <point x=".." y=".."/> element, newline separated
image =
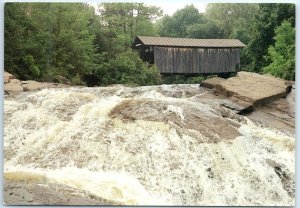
<point x="141" y="161"/>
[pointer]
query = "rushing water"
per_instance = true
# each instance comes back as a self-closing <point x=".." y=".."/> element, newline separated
<point x="168" y="145"/>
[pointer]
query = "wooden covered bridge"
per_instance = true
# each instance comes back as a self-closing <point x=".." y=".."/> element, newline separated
<point x="190" y="56"/>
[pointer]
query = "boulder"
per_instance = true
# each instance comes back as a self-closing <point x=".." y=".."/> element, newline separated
<point x="7" y="76"/>
<point x="31" y="85"/>
<point x="6" y="80"/>
<point x="14" y="85"/>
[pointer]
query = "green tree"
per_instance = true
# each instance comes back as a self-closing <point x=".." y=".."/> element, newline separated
<point x="43" y="40"/>
<point x="17" y="28"/>
<point x="267" y="19"/>
<point x="46" y="40"/>
<point x="178" y="24"/>
<point x="127" y="68"/>
<point x="282" y="54"/>
<point x="205" y="30"/>
<point x="121" y="22"/>
<point x="234" y="19"/>
<point x="69" y="40"/>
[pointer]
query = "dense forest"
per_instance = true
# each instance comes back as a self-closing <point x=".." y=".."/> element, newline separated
<point x="47" y="41"/>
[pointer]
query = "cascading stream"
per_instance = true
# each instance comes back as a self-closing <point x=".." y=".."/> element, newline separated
<point x="167" y="145"/>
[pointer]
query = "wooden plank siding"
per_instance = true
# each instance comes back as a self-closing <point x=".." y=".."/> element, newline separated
<point x="179" y="60"/>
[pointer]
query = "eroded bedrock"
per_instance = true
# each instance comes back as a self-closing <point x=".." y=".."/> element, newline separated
<point x="12" y="85"/>
<point x="248" y="90"/>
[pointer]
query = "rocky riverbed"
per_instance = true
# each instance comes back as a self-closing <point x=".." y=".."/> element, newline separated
<point x="20" y="192"/>
<point x="12" y="85"/>
<point x="163" y="145"/>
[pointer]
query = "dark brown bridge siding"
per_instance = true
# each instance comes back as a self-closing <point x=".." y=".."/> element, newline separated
<point x="196" y="60"/>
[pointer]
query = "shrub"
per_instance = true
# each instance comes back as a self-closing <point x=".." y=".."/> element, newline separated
<point x="127" y="68"/>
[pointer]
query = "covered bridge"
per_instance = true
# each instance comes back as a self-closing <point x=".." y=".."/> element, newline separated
<point x="190" y="56"/>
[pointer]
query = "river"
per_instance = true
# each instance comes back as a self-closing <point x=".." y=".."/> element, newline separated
<point x="152" y="145"/>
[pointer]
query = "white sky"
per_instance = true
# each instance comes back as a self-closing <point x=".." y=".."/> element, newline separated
<point x="171" y="8"/>
<point x="168" y="7"/>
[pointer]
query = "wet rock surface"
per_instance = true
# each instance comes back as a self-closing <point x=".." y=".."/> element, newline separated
<point x="279" y="114"/>
<point x="248" y="90"/>
<point x="255" y="88"/>
<point x="287" y="179"/>
<point x="185" y="117"/>
<point x="7" y="76"/>
<point x="13" y="85"/>
<point x="34" y="193"/>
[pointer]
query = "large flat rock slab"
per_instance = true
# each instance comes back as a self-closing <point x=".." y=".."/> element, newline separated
<point x="248" y="89"/>
<point x="254" y="88"/>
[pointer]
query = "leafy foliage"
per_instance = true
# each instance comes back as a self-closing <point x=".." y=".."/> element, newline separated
<point x="44" y="41"/>
<point x="121" y="22"/>
<point x="269" y="17"/>
<point x="234" y="19"/>
<point x="178" y="24"/>
<point x="182" y="79"/>
<point x="127" y="68"/>
<point x="282" y="54"/>
<point x="52" y="39"/>
<point x="207" y="30"/>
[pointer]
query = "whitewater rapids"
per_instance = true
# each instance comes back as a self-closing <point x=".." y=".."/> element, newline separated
<point x="153" y="145"/>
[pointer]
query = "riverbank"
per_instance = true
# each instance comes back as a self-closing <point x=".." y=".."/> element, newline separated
<point x="12" y="85"/>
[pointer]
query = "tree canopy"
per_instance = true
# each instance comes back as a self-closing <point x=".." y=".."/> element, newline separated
<point x="46" y="40"/>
